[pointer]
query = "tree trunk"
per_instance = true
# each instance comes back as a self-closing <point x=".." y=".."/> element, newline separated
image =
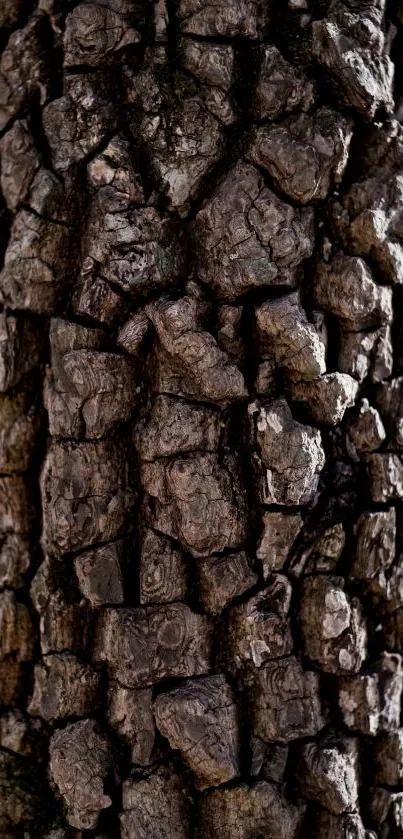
<point x="201" y="419"/>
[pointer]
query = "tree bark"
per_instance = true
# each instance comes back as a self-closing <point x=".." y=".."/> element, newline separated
<point x="201" y="419"/>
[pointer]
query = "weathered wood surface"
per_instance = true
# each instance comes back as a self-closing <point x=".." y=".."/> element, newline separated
<point x="201" y="430"/>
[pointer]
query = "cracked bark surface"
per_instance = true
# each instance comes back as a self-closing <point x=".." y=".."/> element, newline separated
<point x="201" y="419"/>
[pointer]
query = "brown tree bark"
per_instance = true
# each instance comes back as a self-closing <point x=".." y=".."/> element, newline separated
<point x="201" y="419"/>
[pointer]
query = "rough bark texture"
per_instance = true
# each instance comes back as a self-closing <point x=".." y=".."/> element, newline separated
<point x="201" y="419"/>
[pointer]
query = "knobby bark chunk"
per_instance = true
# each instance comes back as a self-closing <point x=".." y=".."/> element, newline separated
<point x="94" y="495"/>
<point x="156" y="806"/>
<point x="197" y="500"/>
<point x="80" y="759"/>
<point x="284" y="701"/>
<point x="247" y="237"/>
<point x="261" y="808"/>
<point x="290" y="455"/>
<point x="305" y="155"/>
<point x="200" y="719"/>
<point x="142" y="646"/>
<point x="130" y="714"/>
